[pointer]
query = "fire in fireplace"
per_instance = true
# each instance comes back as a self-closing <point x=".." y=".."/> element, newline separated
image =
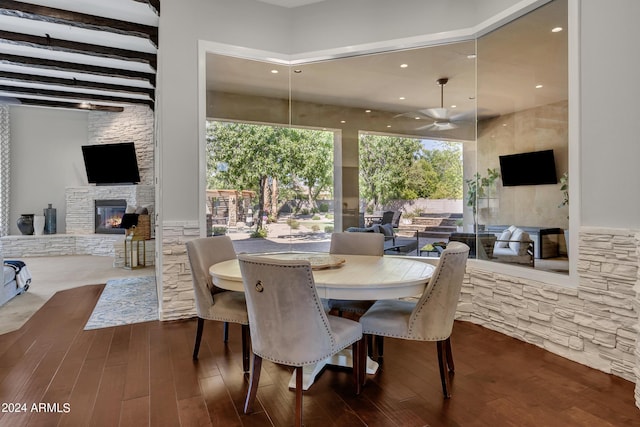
<point x="109" y="215"/>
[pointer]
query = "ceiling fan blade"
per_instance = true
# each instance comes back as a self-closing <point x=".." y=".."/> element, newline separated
<point x="438" y="126"/>
<point x="436" y="113"/>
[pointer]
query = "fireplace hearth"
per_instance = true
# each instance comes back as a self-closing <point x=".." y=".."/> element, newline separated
<point x="108" y="214"/>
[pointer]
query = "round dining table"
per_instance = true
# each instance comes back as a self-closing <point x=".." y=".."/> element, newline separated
<point x="351" y="277"/>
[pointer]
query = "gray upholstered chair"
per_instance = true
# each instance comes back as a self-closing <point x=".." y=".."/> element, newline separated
<point x="288" y="323"/>
<point x="357" y="244"/>
<point x="213" y="303"/>
<point x="431" y="317"/>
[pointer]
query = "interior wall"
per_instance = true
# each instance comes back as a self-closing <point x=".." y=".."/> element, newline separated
<point x="45" y="158"/>
<point x="542" y="128"/>
<point x="46" y="154"/>
<point x="609" y="126"/>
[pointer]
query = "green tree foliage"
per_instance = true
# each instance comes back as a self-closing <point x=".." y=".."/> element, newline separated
<point x="384" y="165"/>
<point x="244" y="156"/>
<point x="400" y="168"/>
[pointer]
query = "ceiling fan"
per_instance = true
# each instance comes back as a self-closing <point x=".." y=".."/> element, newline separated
<point x="442" y="117"/>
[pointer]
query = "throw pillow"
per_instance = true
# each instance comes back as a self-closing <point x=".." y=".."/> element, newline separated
<point x="516" y="237"/>
<point x="503" y="239"/>
<point x="387" y="230"/>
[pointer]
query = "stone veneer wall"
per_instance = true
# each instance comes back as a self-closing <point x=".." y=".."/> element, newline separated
<point x="595" y="324"/>
<point x="80" y="201"/>
<point x="178" y="300"/>
<point x="134" y="124"/>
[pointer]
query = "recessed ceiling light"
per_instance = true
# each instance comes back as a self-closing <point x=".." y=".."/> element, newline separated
<point x="274" y="71"/>
<point x="417" y="118"/>
<point x="404" y="65"/>
<point x="453" y="106"/>
<point x="556" y="29"/>
<point x="388" y="126"/>
<point x="367" y="111"/>
<point x="402" y="98"/>
<point x="297" y="71"/>
<point x="471" y="56"/>
<point x="539" y="86"/>
<point x="343" y="121"/>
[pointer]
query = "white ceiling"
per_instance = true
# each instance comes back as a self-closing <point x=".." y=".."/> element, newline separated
<point x="290" y="3"/>
<point x="511" y="61"/>
<point x="90" y="61"/>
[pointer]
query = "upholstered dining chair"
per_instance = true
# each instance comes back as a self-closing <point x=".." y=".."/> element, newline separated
<point x="356" y="244"/>
<point x="213" y="303"/>
<point x="288" y="323"/>
<point x="431" y="317"/>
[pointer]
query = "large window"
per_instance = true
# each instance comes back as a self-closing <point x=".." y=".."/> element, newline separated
<point x="502" y="94"/>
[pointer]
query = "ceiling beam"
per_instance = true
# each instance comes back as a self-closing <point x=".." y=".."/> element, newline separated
<point x="50" y="43"/>
<point x="153" y="4"/>
<point x="27" y="61"/>
<point x="78" y="20"/>
<point x="50" y="93"/>
<point x="69" y="105"/>
<point x="75" y="83"/>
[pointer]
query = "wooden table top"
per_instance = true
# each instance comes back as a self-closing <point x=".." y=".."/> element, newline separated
<point x="358" y="277"/>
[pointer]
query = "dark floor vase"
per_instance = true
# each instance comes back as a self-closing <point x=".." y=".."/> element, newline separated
<point x="25" y="224"/>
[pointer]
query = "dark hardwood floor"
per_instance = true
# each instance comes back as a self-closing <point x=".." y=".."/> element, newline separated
<point x="143" y="374"/>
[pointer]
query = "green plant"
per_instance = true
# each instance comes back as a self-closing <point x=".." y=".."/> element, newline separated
<point x="316" y="218"/>
<point x="218" y="230"/>
<point x="328" y="229"/>
<point x="564" y="187"/>
<point x="324" y="207"/>
<point x="260" y="233"/>
<point x="479" y="187"/>
<point x="459" y="222"/>
<point x="294" y="224"/>
<point x="315" y="228"/>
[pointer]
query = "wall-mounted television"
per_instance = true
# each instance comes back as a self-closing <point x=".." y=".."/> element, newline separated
<point x="533" y="168"/>
<point x="111" y="164"/>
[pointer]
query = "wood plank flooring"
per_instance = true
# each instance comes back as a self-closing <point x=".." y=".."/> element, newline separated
<point x="143" y="374"/>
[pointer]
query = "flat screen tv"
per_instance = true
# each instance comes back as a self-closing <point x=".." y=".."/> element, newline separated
<point x="111" y="164"/>
<point x="533" y="168"/>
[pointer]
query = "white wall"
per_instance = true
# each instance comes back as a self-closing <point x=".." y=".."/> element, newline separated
<point x="610" y="128"/>
<point x="45" y="158"/>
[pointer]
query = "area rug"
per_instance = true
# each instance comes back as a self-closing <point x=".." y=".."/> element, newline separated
<point x="125" y="301"/>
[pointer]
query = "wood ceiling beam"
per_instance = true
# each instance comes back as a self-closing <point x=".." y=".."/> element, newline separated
<point x="16" y="90"/>
<point x="75" y="83"/>
<point x="153" y="4"/>
<point x="68" y="105"/>
<point x="27" y="61"/>
<point x="50" y="43"/>
<point x="78" y="20"/>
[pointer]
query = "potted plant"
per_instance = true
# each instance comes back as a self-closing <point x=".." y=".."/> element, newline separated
<point x="564" y="188"/>
<point x="479" y="187"/>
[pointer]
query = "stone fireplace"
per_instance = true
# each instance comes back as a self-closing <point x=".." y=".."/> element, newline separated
<point x="108" y="216"/>
<point x="83" y="205"/>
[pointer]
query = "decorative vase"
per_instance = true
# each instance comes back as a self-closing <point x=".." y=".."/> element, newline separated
<point x="38" y="225"/>
<point x="49" y="220"/>
<point x="25" y="224"/>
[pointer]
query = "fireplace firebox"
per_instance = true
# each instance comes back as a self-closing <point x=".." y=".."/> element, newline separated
<point x="109" y="215"/>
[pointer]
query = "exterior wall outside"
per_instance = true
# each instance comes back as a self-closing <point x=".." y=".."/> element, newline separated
<point x="594" y="324"/>
<point x="541" y="128"/>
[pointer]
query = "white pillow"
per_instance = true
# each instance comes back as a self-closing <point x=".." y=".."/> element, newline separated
<point x="514" y="244"/>
<point x="506" y="235"/>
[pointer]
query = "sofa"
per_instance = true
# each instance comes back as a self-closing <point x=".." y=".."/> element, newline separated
<point x="393" y="244"/>
<point x="514" y="245"/>
<point x="9" y="283"/>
